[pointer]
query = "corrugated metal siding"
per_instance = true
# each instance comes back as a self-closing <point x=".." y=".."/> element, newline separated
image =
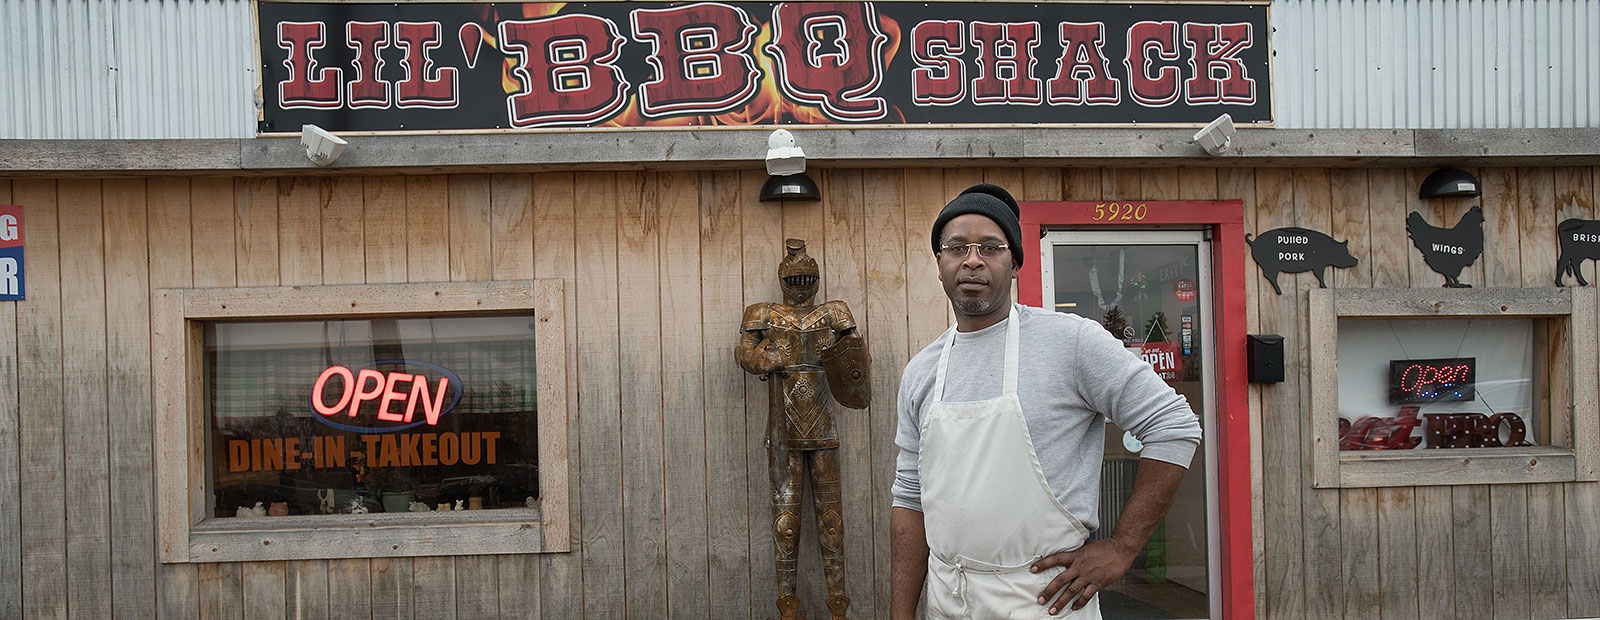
<point x="127" y="69"/>
<point x="1436" y="64"/>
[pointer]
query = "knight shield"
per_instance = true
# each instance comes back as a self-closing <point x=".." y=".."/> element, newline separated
<point x="848" y="368"/>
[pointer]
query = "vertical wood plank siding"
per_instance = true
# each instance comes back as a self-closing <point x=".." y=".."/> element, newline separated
<point x="671" y="514"/>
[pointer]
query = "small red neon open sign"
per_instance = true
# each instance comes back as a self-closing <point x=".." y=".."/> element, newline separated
<point x="1434" y="380"/>
<point x="364" y="384"/>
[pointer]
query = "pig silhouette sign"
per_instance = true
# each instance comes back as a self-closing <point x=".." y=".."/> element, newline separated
<point x="1297" y="250"/>
<point x="1580" y="241"/>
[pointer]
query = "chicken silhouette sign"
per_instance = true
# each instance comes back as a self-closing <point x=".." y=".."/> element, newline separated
<point x="1448" y="251"/>
<point x="1295" y="250"/>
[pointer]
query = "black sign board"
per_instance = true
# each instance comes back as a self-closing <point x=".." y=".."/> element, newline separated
<point x="1448" y="251"/>
<point x="415" y="66"/>
<point x="1580" y="241"/>
<point x="1294" y="250"/>
<point x="1432" y="380"/>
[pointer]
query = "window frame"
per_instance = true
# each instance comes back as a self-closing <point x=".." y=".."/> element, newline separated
<point x="184" y="533"/>
<point x="1574" y="448"/>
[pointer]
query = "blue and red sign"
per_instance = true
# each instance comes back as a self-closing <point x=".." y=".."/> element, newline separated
<point x="396" y="396"/>
<point x="11" y="273"/>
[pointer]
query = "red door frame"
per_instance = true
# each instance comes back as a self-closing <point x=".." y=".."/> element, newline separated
<point x="1225" y="220"/>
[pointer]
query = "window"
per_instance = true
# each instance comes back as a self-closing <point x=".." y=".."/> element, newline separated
<point x="1453" y="386"/>
<point x="360" y="421"/>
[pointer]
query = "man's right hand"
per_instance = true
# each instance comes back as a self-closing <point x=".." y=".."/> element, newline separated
<point x="908" y="562"/>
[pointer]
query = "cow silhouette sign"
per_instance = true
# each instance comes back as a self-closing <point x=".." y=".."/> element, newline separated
<point x="1580" y="241"/>
<point x="1297" y="250"/>
<point x="1448" y="251"/>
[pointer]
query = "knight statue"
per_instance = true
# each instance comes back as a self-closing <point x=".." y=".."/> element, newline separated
<point x="805" y="352"/>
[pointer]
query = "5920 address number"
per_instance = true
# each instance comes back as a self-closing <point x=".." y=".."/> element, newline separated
<point x="1120" y="211"/>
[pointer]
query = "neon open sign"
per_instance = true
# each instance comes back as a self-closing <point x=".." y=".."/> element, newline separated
<point x="341" y="391"/>
<point x="1433" y="380"/>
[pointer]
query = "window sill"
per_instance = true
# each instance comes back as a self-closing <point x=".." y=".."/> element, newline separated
<point x="380" y="535"/>
<point x="1405" y="468"/>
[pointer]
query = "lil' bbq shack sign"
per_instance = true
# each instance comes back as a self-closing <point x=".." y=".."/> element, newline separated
<point x="476" y="66"/>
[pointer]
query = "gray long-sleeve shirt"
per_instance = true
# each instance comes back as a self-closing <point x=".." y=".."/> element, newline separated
<point x="1073" y="376"/>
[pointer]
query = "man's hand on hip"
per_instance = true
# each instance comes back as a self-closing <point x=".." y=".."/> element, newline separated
<point x="1089" y="569"/>
<point x="1099" y="563"/>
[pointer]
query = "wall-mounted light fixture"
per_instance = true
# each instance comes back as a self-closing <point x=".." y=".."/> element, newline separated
<point x="1216" y="135"/>
<point x="322" y="147"/>
<point x="1450" y="183"/>
<point x="786" y="162"/>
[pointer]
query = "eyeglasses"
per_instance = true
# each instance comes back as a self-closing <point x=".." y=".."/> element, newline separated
<point x="963" y="250"/>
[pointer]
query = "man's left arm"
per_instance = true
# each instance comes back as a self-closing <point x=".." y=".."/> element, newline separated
<point x="1099" y="563"/>
<point x="1136" y="399"/>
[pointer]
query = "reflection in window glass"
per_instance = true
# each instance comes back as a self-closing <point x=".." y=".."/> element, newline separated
<point x="1148" y="297"/>
<point x="372" y="415"/>
<point x="1413" y="384"/>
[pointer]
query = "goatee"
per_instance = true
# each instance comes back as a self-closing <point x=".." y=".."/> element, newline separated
<point x="973" y="307"/>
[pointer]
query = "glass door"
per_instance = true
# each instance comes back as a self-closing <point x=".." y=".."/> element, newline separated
<point x="1152" y="290"/>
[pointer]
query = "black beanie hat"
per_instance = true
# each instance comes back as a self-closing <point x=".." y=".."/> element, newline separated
<point x="991" y="201"/>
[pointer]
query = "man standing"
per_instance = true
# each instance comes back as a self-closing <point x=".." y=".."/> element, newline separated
<point x="1002" y="423"/>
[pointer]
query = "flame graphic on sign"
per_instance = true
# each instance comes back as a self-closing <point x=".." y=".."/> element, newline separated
<point x="767" y="106"/>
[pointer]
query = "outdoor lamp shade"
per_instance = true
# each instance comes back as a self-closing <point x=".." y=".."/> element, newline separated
<point x="1449" y="183"/>
<point x="790" y="187"/>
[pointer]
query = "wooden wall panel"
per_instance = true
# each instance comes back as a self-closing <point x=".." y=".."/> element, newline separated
<point x="383" y="234"/>
<point x="762" y="238"/>
<point x="300" y="242"/>
<point x="1543" y="544"/>
<point x="306" y="589"/>
<point x="684" y="365"/>
<point x="343" y="231"/>
<point x="42" y="429"/>
<point x="846" y="276"/>
<point x="263" y="593"/>
<point x="639" y="331"/>
<point x="83" y="368"/>
<point x="128" y="384"/>
<point x="83" y="341"/>
<point x="256" y="231"/>
<point x="213" y="235"/>
<point x="1320" y="517"/>
<point x="672" y="498"/>
<point x="886" y="311"/>
<point x="467" y="237"/>
<point x="924" y="197"/>
<point x="1282" y="489"/>
<point x="10" y="485"/>
<point x="599" y="407"/>
<point x="1583" y="498"/>
<point x="554" y="256"/>
<point x="173" y="264"/>
<point x="427" y="229"/>
<point x="729" y="482"/>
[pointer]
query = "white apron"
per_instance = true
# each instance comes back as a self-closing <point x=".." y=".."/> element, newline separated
<point x="988" y="511"/>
